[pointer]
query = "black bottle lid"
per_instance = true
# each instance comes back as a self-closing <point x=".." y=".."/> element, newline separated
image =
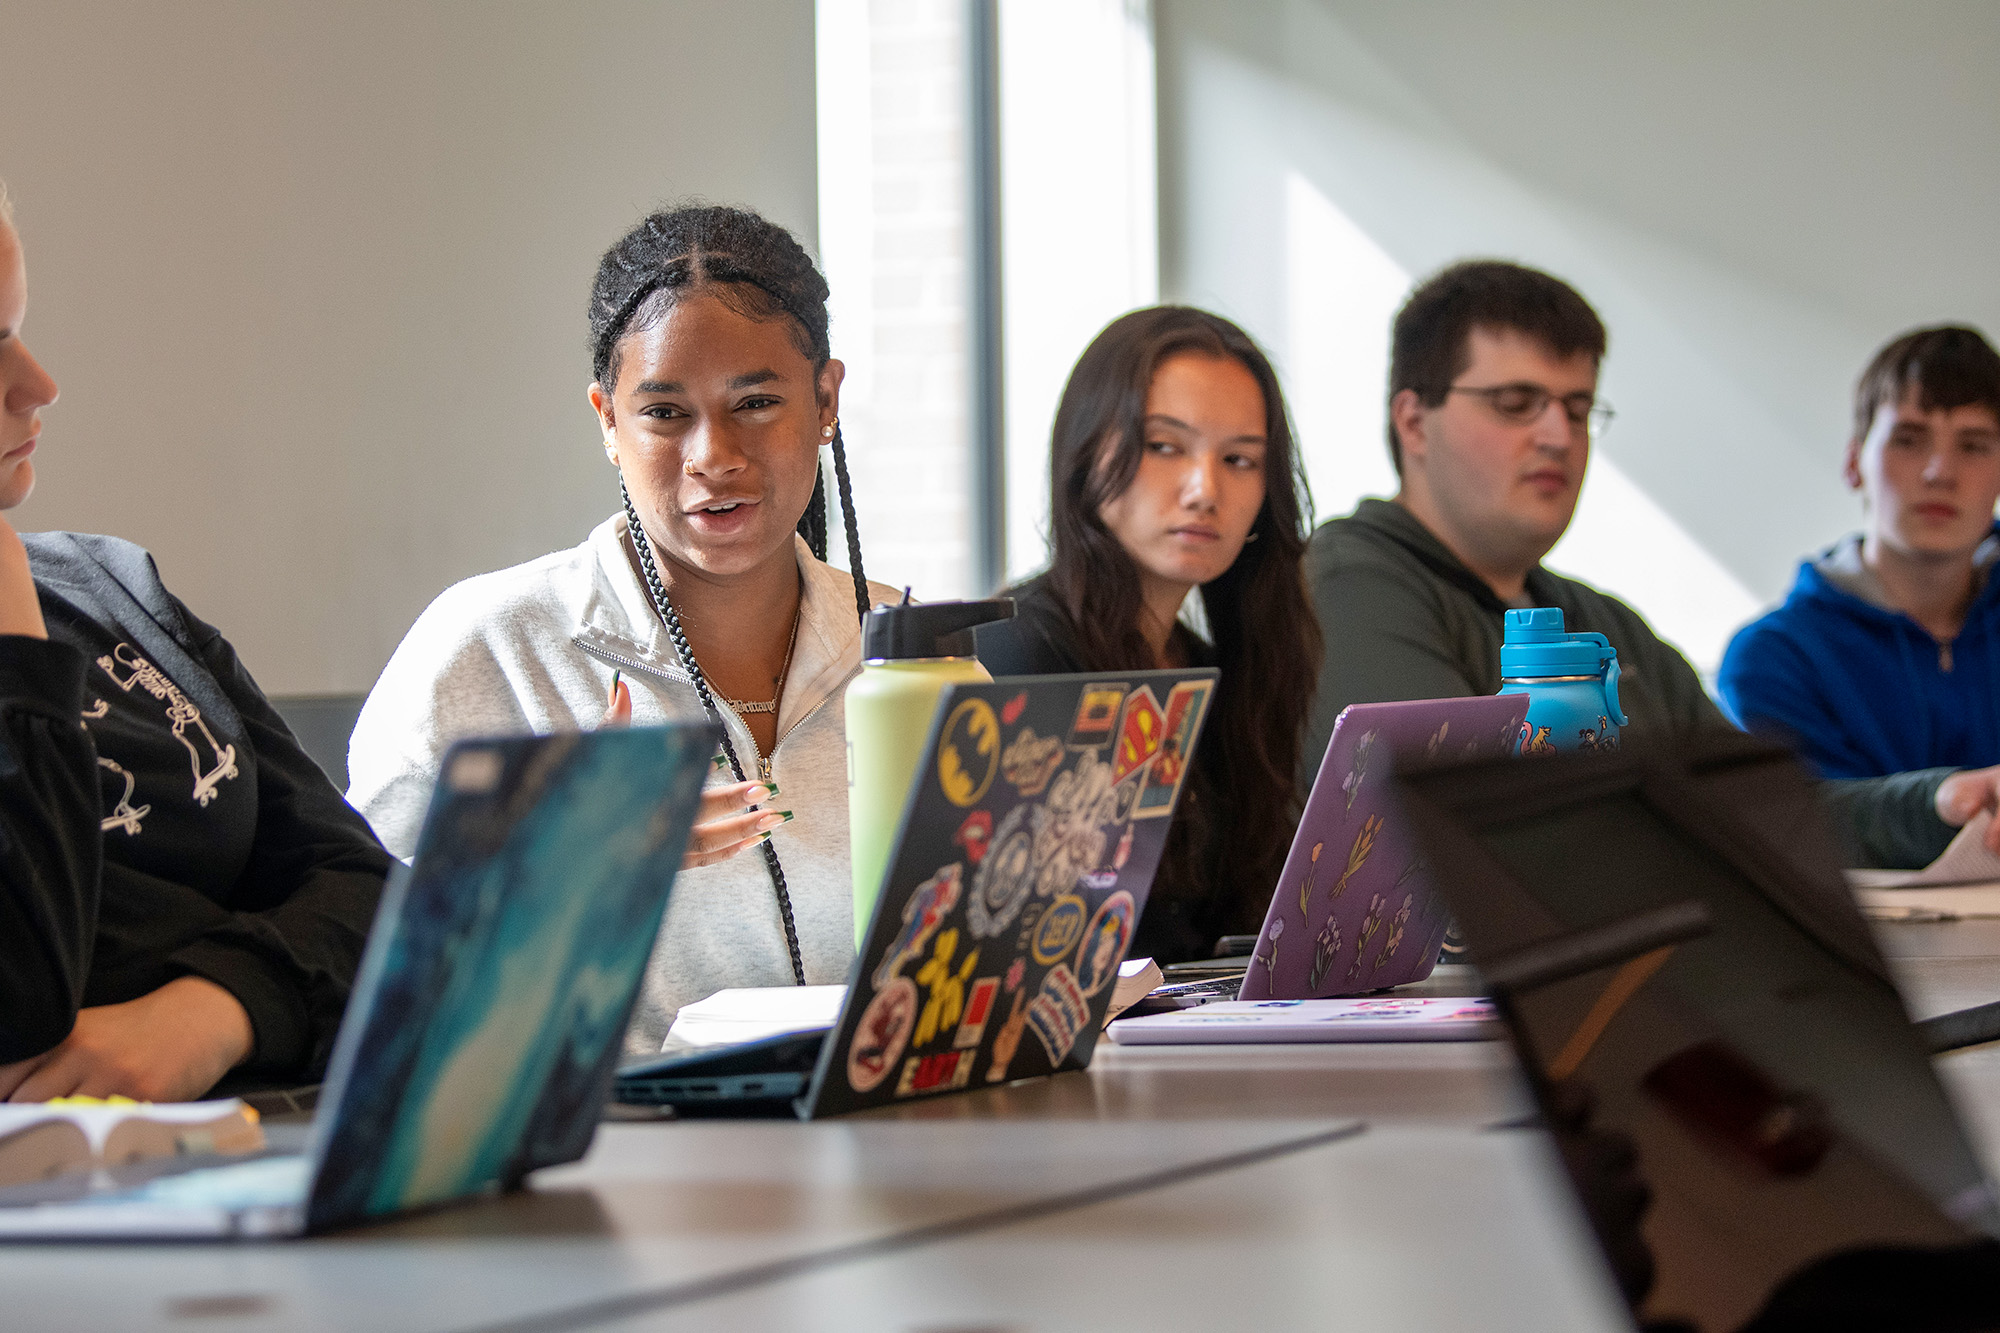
<point x="927" y="629"/>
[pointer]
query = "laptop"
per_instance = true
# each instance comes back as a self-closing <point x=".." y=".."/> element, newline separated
<point x="487" y="1018"/>
<point x="1669" y="941"/>
<point x="1354" y="910"/>
<point x="1026" y="851"/>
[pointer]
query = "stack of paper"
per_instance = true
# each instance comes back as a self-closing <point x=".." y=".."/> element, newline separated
<point x="752" y="1013"/>
<point x="1963" y="882"/>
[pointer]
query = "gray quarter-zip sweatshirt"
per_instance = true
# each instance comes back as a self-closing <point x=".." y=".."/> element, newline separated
<point x="532" y="649"/>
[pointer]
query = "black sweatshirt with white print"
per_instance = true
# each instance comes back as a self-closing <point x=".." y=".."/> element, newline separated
<point x="158" y="820"/>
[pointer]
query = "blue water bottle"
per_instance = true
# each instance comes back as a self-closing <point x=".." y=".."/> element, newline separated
<point x="1571" y="681"/>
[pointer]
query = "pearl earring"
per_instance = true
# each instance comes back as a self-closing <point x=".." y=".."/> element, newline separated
<point x="826" y="432"/>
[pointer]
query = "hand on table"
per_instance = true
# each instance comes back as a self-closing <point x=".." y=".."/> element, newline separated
<point x="731" y="819"/>
<point x="1963" y="795"/>
<point x="172" y="1045"/>
<point x="20" y="608"/>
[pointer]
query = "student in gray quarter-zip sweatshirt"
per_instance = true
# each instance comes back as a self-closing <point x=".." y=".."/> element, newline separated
<point x="532" y="649"/>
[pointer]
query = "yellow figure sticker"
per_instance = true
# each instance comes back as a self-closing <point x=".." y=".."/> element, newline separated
<point x="946" y="1001"/>
<point x="969" y="752"/>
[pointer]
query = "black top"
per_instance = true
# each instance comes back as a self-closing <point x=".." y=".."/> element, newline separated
<point x="1200" y="891"/>
<point x="179" y="830"/>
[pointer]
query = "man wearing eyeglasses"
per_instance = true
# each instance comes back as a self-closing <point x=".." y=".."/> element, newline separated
<point x="1492" y="406"/>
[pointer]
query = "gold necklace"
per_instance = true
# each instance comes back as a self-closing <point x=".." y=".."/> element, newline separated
<point x="784" y="671"/>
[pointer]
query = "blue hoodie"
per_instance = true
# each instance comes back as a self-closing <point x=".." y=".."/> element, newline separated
<point x="1859" y="688"/>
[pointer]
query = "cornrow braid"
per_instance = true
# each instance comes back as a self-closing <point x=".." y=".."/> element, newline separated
<point x="756" y="268"/>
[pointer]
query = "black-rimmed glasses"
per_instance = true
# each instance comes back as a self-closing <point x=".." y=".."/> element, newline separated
<point x="1524" y="402"/>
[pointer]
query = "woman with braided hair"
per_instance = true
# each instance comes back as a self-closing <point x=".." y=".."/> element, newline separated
<point x="715" y="389"/>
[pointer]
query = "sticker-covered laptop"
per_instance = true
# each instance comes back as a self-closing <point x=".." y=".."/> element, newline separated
<point x="1354" y="909"/>
<point x="490" y="1008"/>
<point x="1027" y="848"/>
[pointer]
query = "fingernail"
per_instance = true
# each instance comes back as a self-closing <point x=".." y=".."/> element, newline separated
<point x="770" y="790"/>
<point x="775" y="818"/>
<point x="717" y="762"/>
<point x="614" y="684"/>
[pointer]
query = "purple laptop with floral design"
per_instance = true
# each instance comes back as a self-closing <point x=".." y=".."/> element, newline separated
<point x="1354" y="910"/>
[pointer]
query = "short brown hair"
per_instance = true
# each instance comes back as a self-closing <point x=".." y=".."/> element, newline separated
<point x="1949" y="366"/>
<point x="1431" y="343"/>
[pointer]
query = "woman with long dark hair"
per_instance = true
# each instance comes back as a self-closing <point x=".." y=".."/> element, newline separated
<point x="1172" y="469"/>
<point x="715" y="389"/>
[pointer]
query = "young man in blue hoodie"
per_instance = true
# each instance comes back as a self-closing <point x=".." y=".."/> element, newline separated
<point x="1886" y="654"/>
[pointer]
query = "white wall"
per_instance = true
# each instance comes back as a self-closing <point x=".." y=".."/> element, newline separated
<point x="313" y="277"/>
<point x="1755" y="196"/>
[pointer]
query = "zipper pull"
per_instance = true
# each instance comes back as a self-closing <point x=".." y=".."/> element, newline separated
<point x="764" y="766"/>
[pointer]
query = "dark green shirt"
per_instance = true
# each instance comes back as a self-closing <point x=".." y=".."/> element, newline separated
<point x="1404" y="618"/>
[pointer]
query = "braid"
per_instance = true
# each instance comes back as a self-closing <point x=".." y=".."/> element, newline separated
<point x="847" y="512"/>
<point x="812" y="523"/>
<point x="671" y="618"/>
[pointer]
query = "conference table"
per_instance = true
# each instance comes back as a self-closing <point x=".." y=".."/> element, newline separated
<point x="1391" y="1186"/>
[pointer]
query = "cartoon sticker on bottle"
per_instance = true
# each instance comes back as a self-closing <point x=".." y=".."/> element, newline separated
<point x="1058" y="1012"/>
<point x="884" y="1032"/>
<point x="1010" y="712"/>
<point x="1096" y="716"/>
<point x="968" y="752"/>
<point x="922" y="914"/>
<point x="1061" y="926"/>
<point x="1008" y="1039"/>
<point x="942" y="1072"/>
<point x="1005" y="878"/>
<point x="1030" y="761"/>
<point x="1104" y="942"/>
<point x="978" y="1008"/>
<point x="1162" y="783"/>
<point x="1140" y="730"/>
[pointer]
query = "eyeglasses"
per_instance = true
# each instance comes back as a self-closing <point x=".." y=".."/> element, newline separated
<point x="1526" y="402"/>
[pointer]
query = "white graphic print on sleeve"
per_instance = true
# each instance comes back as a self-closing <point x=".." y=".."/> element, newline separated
<point x="122" y="814"/>
<point x="180" y="711"/>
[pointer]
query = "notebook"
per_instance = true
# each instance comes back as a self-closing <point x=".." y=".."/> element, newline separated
<point x="1383" y="1018"/>
<point x="488" y="1015"/>
<point x="1669" y="940"/>
<point x="1354" y="910"/>
<point x="1026" y="851"/>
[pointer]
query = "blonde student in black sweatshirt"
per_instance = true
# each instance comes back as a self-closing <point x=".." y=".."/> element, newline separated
<point x="183" y="894"/>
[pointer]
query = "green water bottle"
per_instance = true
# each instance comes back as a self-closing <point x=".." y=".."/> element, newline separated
<point x="909" y="654"/>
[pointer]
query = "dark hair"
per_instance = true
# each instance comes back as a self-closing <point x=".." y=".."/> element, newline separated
<point x="1267" y="643"/>
<point x="756" y="268"/>
<point x="1432" y="341"/>
<point x="1949" y="366"/>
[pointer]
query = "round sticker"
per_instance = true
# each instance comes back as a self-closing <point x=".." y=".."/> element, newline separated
<point x="969" y="752"/>
<point x="884" y="1031"/>
<point x="1005" y="878"/>
<point x="1057" y="932"/>
<point x="1104" y="943"/>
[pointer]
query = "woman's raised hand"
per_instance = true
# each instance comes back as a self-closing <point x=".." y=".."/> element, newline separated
<point x="20" y="608"/>
<point x="732" y="819"/>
